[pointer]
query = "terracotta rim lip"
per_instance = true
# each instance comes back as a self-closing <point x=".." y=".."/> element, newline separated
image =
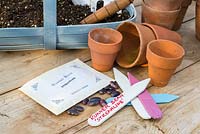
<point x="161" y="11"/>
<point x="106" y="44"/>
<point x="140" y="50"/>
<point x="140" y="47"/>
<point x="152" y="28"/>
<point x="171" y="42"/>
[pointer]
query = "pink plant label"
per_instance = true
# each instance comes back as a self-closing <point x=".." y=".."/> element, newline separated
<point x="119" y="102"/>
<point x="146" y="99"/>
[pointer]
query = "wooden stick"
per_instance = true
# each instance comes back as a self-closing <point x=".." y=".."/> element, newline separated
<point x="106" y="11"/>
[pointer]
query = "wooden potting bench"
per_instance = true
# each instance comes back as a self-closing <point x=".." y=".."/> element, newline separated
<point x="21" y="115"/>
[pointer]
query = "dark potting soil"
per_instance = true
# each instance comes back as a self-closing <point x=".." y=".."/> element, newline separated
<point x="29" y="13"/>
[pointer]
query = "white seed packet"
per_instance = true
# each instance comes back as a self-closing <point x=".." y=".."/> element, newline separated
<point x="64" y="86"/>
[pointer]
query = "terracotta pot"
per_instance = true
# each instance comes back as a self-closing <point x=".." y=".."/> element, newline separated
<point x="106" y="11"/>
<point x="163" y="57"/>
<point x="104" y="44"/>
<point x="159" y="17"/>
<point x="198" y="19"/>
<point x="184" y="6"/>
<point x="164" y="5"/>
<point x="134" y="43"/>
<point x="163" y="33"/>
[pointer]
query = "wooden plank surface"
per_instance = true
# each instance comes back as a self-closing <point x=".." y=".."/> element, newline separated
<point x="192" y="56"/>
<point x="16" y="68"/>
<point x="19" y="113"/>
<point x="180" y="117"/>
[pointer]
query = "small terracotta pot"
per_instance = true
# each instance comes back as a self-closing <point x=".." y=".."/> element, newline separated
<point x="134" y="43"/>
<point x="164" y="33"/>
<point x="104" y="44"/>
<point x="198" y="19"/>
<point x="163" y="57"/>
<point x="164" y="5"/>
<point x="159" y="17"/>
<point x="184" y="6"/>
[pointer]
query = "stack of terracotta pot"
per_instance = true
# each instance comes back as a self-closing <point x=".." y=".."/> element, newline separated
<point x="159" y="45"/>
<point x="166" y="13"/>
<point x="198" y="19"/>
<point x="135" y="39"/>
<point x="133" y="44"/>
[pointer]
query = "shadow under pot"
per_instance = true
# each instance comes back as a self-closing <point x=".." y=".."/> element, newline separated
<point x="104" y="44"/>
<point x="184" y="7"/>
<point x="134" y="44"/>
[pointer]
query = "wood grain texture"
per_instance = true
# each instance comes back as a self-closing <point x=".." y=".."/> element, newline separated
<point x="19" y="113"/>
<point x="180" y="117"/>
<point x="190" y="12"/>
<point x="16" y="68"/>
<point x="26" y="116"/>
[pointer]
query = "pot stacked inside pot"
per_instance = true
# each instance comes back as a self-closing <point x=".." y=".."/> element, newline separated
<point x="159" y="46"/>
<point x="166" y="13"/>
<point x="153" y="42"/>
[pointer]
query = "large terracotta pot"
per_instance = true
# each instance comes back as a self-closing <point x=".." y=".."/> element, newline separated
<point x="164" y="5"/>
<point x="134" y="43"/>
<point x="198" y="19"/>
<point x="164" y="33"/>
<point x="159" y="17"/>
<point x="184" y="6"/>
<point x="163" y="57"/>
<point x="104" y="44"/>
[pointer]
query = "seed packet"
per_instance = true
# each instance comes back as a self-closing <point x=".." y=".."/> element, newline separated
<point x="64" y="86"/>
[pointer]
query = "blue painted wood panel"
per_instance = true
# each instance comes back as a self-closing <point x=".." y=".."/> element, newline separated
<point x="51" y="36"/>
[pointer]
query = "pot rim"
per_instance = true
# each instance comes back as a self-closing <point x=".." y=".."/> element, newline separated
<point x="161" y="11"/>
<point x="140" y="46"/>
<point x="171" y="42"/>
<point x="106" y="44"/>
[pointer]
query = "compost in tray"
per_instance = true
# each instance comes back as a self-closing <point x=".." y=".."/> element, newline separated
<point x="29" y="13"/>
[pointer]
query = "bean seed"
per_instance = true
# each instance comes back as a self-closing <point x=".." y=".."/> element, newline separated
<point x="115" y="93"/>
<point x="94" y="101"/>
<point x="109" y="87"/>
<point x="102" y="102"/>
<point x="109" y="91"/>
<point x="73" y="112"/>
<point x="114" y="84"/>
<point x="78" y="108"/>
<point x="102" y="91"/>
<point x="85" y="101"/>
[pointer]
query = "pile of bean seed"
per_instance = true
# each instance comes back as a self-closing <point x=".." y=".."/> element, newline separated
<point x="111" y="89"/>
